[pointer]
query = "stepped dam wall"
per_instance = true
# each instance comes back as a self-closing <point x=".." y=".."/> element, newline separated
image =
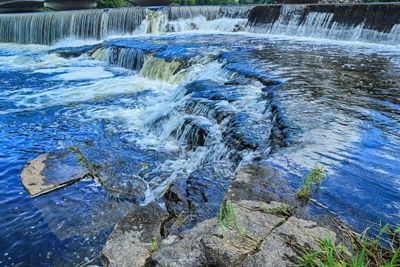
<point x="375" y="23"/>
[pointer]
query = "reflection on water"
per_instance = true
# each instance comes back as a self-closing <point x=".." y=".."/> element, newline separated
<point x="339" y="104"/>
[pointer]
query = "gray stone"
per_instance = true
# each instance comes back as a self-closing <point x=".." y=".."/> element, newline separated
<point x="273" y="253"/>
<point x="304" y="232"/>
<point x="186" y="251"/>
<point x="130" y="242"/>
<point x="275" y="250"/>
<point x="258" y="238"/>
<point x="227" y="247"/>
<point x="260" y="182"/>
<point x="51" y="171"/>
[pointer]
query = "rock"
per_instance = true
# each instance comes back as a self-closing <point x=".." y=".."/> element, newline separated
<point x="259" y="182"/>
<point x="186" y="251"/>
<point x="304" y="232"/>
<point x="254" y="230"/>
<point x="130" y="242"/>
<point x="273" y="253"/>
<point x="275" y="250"/>
<point x="51" y="171"/>
<point x="70" y="52"/>
<point x="197" y="198"/>
<point x="225" y="247"/>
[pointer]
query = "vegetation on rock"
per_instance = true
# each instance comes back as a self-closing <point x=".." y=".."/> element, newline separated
<point x="153" y="246"/>
<point x="310" y="182"/>
<point x="382" y="250"/>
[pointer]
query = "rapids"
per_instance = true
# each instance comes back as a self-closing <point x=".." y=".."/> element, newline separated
<point x="153" y="96"/>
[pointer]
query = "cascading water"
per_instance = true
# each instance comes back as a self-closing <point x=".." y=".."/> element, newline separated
<point x="329" y="22"/>
<point x="188" y="95"/>
<point x="309" y="21"/>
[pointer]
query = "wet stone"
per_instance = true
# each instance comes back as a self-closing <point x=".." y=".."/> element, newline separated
<point x="213" y="91"/>
<point x="70" y="52"/>
<point x="130" y="242"/>
<point x="245" y="131"/>
<point x="51" y="171"/>
<point x="260" y="237"/>
<point x="197" y="198"/>
<point x="212" y="110"/>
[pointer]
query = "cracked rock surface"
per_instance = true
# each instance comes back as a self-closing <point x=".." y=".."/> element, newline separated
<point x="130" y="242"/>
<point x="259" y="236"/>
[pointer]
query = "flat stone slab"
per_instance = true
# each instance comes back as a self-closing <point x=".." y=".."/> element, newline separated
<point x="51" y="171"/>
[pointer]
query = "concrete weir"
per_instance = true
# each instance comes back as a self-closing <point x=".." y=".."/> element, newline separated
<point x="350" y="22"/>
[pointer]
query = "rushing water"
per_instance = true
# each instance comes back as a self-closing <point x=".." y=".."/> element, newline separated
<point x="153" y="108"/>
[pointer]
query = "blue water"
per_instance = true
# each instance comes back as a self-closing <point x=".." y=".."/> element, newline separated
<point x="338" y="103"/>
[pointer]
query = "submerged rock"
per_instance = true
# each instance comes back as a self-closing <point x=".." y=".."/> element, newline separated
<point x="51" y="171"/>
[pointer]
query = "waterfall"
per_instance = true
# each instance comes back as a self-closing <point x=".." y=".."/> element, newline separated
<point x="185" y="12"/>
<point x="125" y="20"/>
<point x="125" y="57"/>
<point x="159" y="69"/>
<point x="156" y="21"/>
<point x="362" y="22"/>
<point x="48" y="27"/>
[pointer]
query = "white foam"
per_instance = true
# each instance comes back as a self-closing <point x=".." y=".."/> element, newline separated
<point x="85" y="73"/>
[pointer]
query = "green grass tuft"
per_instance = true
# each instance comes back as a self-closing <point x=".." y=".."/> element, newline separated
<point x="310" y="182"/>
<point x="227" y="216"/>
<point x="227" y="220"/>
<point x="153" y="246"/>
<point x="377" y="251"/>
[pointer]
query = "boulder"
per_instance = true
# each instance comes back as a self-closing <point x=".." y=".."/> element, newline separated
<point x="254" y="228"/>
<point x="131" y="240"/>
<point x="184" y="251"/>
<point x="259" y="182"/>
<point x="275" y="249"/>
<point x="51" y="171"/>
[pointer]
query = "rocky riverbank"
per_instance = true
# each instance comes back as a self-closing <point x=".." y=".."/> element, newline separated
<point x="255" y="225"/>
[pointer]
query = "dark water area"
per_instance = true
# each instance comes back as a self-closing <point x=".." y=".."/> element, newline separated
<point x="335" y="104"/>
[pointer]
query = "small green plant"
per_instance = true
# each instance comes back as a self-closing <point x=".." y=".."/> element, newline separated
<point x="81" y="159"/>
<point x="227" y="220"/>
<point x="74" y="149"/>
<point x="153" y="246"/>
<point x="227" y="217"/>
<point x="283" y="210"/>
<point x="364" y="252"/>
<point x="310" y="182"/>
<point x="79" y="156"/>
